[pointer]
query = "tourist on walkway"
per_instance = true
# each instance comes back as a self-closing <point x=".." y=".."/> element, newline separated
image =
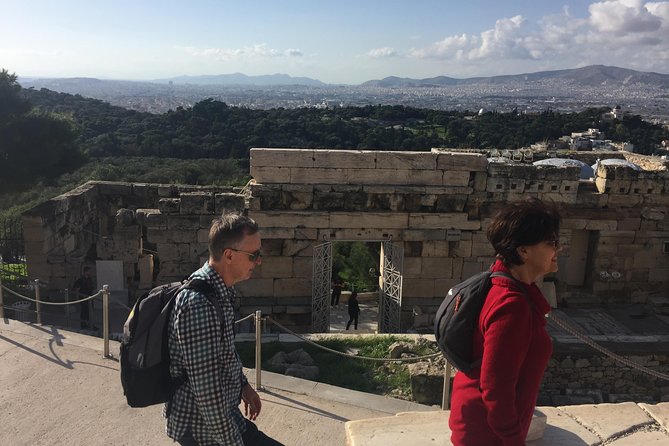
<point x="84" y="287"/>
<point x="205" y="409"/>
<point x="353" y="310"/>
<point x="493" y="403"/>
<point x="337" y="286"/>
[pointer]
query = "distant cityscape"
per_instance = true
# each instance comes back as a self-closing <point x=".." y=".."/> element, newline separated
<point x="645" y="94"/>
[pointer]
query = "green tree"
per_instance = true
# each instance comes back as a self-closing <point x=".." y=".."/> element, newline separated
<point x="34" y="145"/>
<point x="11" y="103"/>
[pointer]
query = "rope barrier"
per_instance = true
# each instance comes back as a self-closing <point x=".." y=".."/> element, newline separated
<point x="583" y="338"/>
<point x="250" y="316"/>
<point x="41" y="302"/>
<point x="348" y="355"/>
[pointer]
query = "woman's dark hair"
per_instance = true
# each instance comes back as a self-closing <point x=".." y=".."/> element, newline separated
<point x="522" y="223"/>
<point x="227" y="231"/>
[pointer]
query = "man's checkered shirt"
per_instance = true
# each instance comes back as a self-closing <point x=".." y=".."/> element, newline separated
<point x="208" y="403"/>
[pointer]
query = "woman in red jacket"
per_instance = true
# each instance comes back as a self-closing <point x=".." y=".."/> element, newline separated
<point x="493" y="404"/>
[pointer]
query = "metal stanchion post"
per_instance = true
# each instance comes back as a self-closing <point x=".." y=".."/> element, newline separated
<point x="2" y="308"/>
<point x="258" y="321"/>
<point x="105" y="319"/>
<point x="445" y="404"/>
<point x="67" y="307"/>
<point x="37" y="304"/>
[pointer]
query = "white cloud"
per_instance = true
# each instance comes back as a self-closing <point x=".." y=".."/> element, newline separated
<point x="632" y="33"/>
<point x="261" y="50"/>
<point x="379" y="53"/>
<point x="623" y="16"/>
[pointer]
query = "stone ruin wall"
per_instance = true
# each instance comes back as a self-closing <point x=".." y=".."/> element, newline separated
<point x="133" y="223"/>
<point x="436" y="204"/>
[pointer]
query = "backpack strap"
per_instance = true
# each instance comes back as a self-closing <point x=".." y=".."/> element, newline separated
<point x="201" y="286"/>
<point x="518" y="283"/>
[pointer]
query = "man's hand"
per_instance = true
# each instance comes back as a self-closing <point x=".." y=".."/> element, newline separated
<point x="252" y="403"/>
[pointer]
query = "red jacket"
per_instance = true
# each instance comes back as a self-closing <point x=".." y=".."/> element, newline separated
<point x="493" y="404"/>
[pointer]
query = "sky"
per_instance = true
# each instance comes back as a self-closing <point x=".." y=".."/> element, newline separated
<point x="337" y="42"/>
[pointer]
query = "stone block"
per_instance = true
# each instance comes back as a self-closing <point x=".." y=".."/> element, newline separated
<point x="480" y="181"/>
<point x="297" y="248"/>
<point x="303" y="267"/>
<point x="151" y="218"/>
<point x="229" y="202"/>
<point x="455" y="178"/>
<point x="437" y="268"/>
<point x="656" y="199"/>
<point x="443" y="221"/>
<point x="601" y="225"/>
<point x="279" y="219"/>
<point x="629" y="224"/>
<point x="406" y="160"/>
<point x="276" y="233"/>
<point x="617" y="201"/>
<point x="660" y="275"/>
<point x="461" y="249"/>
<point x="350" y="234"/>
<point x="471" y="267"/>
<point x="196" y="203"/>
<point x="261" y="157"/>
<point x="183" y="222"/>
<point x="169" y="205"/>
<point x="513" y="185"/>
<point x="343" y="220"/>
<point x="318" y="176"/>
<point x="173" y="251"/>
<point x="255" y="287"/>
<point x="471" y="162"/>
<point x="417" y="288"/>
<point x="435" y="248"/>
<point x="275" y="267"/>
<point x="385" y="176"/>
<point x="423" y="234"/>
<point x="569" y="187"/>
<point x="306" y="233"/>
<point x="344" y="159"/>
<point x="202" y="236"/>
<point x="270" y="175"/>
<point x="654" y="213"/>
<point x="412" y="267"/>
<point x="291" y="287"/>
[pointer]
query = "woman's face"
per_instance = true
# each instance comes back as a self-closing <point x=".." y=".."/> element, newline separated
<point x="541" y="257"/>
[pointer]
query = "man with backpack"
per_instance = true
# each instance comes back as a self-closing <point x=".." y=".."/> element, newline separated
<point x="204" y="409"/>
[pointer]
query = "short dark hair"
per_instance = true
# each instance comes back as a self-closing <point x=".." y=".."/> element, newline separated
<point x="227" y="231"/>
<point x="522" y="223"/>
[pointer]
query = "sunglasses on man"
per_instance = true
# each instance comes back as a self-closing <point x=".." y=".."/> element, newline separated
<point x="253" y="256"/>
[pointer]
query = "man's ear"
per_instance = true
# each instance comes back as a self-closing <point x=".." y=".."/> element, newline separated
<point x="227" y="255"/>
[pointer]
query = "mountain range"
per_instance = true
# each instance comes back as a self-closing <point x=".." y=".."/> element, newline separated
<point x="592" y="75"/>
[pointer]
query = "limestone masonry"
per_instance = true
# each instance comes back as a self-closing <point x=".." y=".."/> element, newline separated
<point x="435" y="205"/>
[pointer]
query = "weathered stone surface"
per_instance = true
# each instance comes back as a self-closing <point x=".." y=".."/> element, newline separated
<point x="228" y="202"/>
<point x="344" y="159"/>
<point x="282" y="157"/>
<point x="368" y="220"/>
<point x="407" y="160"/>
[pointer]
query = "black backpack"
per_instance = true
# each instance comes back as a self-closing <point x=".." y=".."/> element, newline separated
<point x="145" y="371"/>
<point x="457" y="318"/>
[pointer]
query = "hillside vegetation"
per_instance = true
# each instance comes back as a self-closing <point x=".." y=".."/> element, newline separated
<point x="50" y="141"/>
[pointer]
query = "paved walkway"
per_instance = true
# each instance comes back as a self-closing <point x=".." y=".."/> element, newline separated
<point x="56" y="389"/>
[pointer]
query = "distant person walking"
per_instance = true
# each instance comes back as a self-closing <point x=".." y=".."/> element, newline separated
<point x="337" y="286"/>
<point x="84" y="287"/>
<point x="353" y="310"/>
